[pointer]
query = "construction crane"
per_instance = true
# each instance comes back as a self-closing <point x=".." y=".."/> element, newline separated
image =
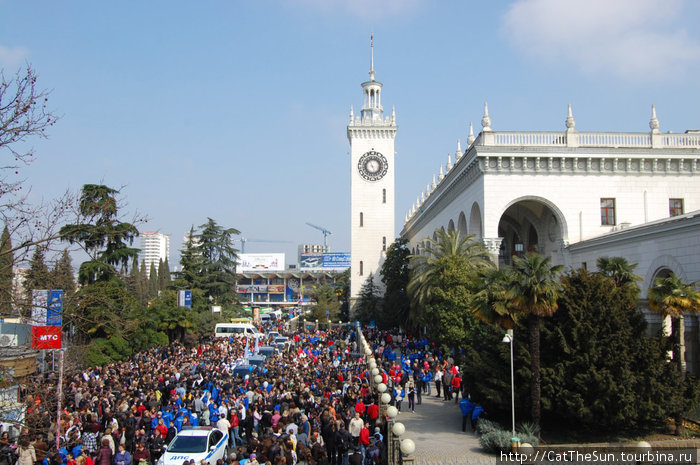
<point x="243" y="240"/>
<point x="325" y="232"/>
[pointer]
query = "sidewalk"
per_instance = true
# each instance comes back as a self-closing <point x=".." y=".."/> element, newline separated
<point x="436" y="428"/>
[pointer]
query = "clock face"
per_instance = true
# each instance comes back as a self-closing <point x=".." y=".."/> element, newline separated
<point x="372" y="166"/>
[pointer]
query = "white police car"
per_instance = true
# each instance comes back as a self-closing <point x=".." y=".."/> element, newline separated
<point x="196" y="443"/>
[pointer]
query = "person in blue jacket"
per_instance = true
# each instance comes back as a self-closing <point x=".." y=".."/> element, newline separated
<point x="478" y="411"/>
<point x="467" y="407"/>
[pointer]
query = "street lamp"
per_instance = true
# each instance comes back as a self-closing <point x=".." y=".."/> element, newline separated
<point x="508" y="339"/>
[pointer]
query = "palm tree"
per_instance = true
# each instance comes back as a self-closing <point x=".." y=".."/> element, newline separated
<point x="426" y="266"/>
<point x="534" y="290"/>
<point x="671" y="297"/>
<point x="620" y="271"/>
<point x="490" y="303"/>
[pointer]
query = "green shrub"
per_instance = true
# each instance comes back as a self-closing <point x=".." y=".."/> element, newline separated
<point x="484" y="426"/>
<point x="495" y="441"/>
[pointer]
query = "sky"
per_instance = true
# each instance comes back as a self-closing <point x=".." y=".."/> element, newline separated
<point x="237" y="110"/>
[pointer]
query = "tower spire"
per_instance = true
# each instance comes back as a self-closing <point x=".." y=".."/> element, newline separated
<point x="371" y="57"/>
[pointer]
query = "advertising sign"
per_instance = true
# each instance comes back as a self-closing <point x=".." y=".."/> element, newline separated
<point x="275" y="289"/>
<point x="328" y="260"/>
<point x="261" y="262"/>
<point x="311" y="260"/>
<point x="251" y="288"/>
<point x="46" y="337"/>
<point x="184" y="299"/>
<point x="40" y="303"/>
<point x="54" y="314"/>
<point x="336" y="260"/>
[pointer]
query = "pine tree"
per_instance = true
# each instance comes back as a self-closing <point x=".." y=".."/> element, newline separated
<point x="6" y="273"/>
<point x="38" y="273"/>
<point x="192" y="263"/>
<point x="369" y="303"/>
<point x="601" y="371"/>
<point x="62" y="275"/>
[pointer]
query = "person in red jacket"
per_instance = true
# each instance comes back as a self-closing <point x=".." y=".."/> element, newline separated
<point x="372" y="414"/>
<point x="360" y="408"/>
<point x="456" y="386"/>
<point x="364" y="441"/>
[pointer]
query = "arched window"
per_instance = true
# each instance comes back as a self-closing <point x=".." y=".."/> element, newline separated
<point x="362" y="219"/>
<point x="383" y="195"/>
<point x="384" y="243"/>
<point x="362" y="268"/>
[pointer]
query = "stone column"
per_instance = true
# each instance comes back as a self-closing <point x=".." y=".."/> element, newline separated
<point x="493" y="246"/>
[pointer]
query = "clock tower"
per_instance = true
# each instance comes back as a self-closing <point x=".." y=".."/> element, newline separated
<point x="372" y="169"/>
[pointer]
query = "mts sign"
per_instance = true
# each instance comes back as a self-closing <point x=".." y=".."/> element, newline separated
<point x="46" y="337"/>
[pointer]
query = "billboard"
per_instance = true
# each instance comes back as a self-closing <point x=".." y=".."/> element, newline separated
<point x="54" y="314"/>
<point x="47" y="307"/>
<point x="275" y="289"/>
<point x="184" y="299"/>
<point x="311" y="260"/>
<point x="336" y="260"/>
<point x="261" y="262"/>
<point x="251" y="288"/>
<point x="326" y="261"/>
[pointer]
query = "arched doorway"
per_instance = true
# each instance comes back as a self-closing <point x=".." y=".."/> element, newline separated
<point x="531" y="225"/>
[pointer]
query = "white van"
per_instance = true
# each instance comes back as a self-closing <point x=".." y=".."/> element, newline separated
<point x="236" y="330"/>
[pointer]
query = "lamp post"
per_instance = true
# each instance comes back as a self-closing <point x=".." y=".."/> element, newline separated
<point x="508" y="339"/>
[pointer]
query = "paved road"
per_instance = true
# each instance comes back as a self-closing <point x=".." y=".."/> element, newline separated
<point x="436" y="428"/>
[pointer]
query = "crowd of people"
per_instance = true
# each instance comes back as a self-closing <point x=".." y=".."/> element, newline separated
<point x="308" y="404"/>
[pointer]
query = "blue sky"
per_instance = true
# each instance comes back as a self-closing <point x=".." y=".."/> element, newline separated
<point x="238" y="110"/>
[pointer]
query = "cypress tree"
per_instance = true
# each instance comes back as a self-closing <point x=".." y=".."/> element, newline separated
<point x="152" y="282"/>
<point x="163" y="275"/>
<point x="6" y="273"/>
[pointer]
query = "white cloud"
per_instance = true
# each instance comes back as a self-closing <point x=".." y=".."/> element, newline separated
<point x="631" y="39"/>
<point x="12" y="58"/>
<point x="364" y="9"/>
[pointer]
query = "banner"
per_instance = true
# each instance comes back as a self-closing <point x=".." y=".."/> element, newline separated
<point x="40" y="304"/>
<point x="46" y="337"/>
<point x="275" y="289"/>
<point x="311" y="260"/>
<point x="336" y="260"/>
<point x="251" y="288"/>
<point x="54" y="314"/>
<point x="261" y="262"/>
<point x="184" y="299"/>
<point x="328" y="260"/>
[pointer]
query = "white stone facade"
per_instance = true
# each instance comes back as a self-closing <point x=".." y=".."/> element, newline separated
<point x="546" y="191"/>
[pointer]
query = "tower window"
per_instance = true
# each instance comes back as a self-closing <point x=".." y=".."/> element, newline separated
<point x="383" y="195"/>
<point x="675" y="207"/>
<point x="362" y="268"/>
<point x="362" y="219"/>
<point x="384" y="243"/>
<point x="607" y="212"/>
